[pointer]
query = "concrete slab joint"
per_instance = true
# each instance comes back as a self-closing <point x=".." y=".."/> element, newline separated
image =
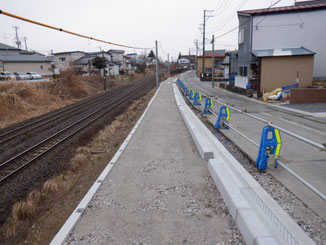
<point x="259" y="218"/>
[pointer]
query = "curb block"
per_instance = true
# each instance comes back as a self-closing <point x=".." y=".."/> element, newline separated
<point x="259" y="218"/>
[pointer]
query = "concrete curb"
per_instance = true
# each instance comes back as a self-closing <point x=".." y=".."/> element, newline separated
<point x="259" y="218"/>
<point x="65" y="230"/>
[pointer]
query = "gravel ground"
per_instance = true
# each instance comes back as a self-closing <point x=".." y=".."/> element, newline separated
<point x="309" y="107"/>
<point x="159" y="191"/>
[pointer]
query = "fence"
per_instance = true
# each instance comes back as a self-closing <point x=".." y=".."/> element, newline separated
<point x="271" y="141"/>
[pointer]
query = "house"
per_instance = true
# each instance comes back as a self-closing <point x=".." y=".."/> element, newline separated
<point x="84" y="64"/>
<point x="219" y="56"/>
<point x="301" y="26"/>
<point x="63" y="60"/>
<point x="293" y="65"/>
<point x="117" y="57"/>
<point x="17" y="60"/>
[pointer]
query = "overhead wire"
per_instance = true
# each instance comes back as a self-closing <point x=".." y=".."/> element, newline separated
<point x="235" y="28"/>
<point x="223" y="23"/>
<point x="66" y="31"/>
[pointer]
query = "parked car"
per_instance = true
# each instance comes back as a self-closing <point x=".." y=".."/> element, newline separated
<point x="34" y="75"/>
<point x="7" y="75"/>
<point x="21" y="76"/>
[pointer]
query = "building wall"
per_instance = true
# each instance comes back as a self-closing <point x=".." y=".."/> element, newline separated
<point x="208" y="64"/>
<point x="280" y="71"/>
<point x="244" y="48"/>
<point x="29" y="66"/>
<point x="70" y="57"/>
<point x="290" y="30"/>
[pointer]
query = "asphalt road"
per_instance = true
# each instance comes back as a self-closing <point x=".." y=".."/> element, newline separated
<point x="302" y="158"/>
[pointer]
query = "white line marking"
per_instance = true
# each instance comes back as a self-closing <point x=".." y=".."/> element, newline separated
<point x="267" y="114"/>
<point x="297" y="124"/>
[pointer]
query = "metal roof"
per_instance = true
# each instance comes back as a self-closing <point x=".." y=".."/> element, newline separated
<point x="24" y="58"/>
<point x="303" y="7"/>
<point x="282" y="52"/>
<point x="7" y="47"/>
<point x="69" y="52"/>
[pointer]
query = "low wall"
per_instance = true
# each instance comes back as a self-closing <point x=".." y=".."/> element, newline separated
<point x="308" y="95"/>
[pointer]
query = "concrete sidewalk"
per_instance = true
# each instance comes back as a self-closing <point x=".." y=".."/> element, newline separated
<point x="159" y="190"/>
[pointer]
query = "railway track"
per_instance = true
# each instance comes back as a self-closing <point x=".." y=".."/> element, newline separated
<point x="23" y="130"/>
<point x="113" y="100"/>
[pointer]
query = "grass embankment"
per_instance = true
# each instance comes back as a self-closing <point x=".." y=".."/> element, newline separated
<point x="20" y="101"/>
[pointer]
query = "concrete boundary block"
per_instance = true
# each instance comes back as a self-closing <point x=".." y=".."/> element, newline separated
<point x="259" y="218"/>
<point x="65" y="230"/>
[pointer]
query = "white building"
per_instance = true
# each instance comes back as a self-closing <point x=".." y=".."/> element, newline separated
<point x="63" y="60"/>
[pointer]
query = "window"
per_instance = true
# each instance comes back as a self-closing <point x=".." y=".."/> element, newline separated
<point x="243" y="71"/>
<point x="241" y="36"/>
<point x="62" y="58"/>
<point x="41" y="67"/>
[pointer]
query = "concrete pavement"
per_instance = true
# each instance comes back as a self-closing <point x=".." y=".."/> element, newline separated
<point x="159" y="190"/>
<point x="302" y="158"/>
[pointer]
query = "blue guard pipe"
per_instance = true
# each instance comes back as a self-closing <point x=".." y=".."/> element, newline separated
<point x="268" y="147"/>
<point x="191" y="95"/>
<point x="208" y="105"/>
<point x="223" y="118"/>
<point x="197" y="99"/>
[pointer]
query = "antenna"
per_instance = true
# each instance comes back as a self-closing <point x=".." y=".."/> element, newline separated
<point x="18" y="43"/>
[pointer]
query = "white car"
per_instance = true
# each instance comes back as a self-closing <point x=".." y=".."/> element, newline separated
<point x="7" y="75"/>
<point x="21" y="76"/>
<point x="34" y="75"/>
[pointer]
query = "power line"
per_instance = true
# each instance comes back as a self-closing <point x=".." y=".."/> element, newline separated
<point x="228" y="18"/>
<point x="245" y="22"/>
<point x="66" y="31"/>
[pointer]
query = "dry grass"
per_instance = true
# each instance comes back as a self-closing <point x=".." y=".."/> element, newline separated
<point x="22" y="100"/>
<point x="25" y="211"/>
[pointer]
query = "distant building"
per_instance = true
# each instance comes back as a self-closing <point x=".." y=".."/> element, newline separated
<point x="219" y="56"/>
<point x="84" y="64"/>
<point x="63" y="60"/>
<point x="17" y="60"/>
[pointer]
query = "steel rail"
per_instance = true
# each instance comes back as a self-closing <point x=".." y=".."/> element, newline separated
<point x="44" y="120"/>
<point x="114" y="104"/>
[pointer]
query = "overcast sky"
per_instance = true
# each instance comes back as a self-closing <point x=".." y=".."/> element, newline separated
<point x="174" y="23"/>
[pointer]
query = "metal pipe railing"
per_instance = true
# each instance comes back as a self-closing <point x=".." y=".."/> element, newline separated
<point x="315" y="144"/>
<point x="299" y="137"/>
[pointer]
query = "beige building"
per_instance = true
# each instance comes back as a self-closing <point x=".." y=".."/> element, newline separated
<point x="16" y="60"/>
<point x="276" y="68"/>
<point x="219" y="68"/>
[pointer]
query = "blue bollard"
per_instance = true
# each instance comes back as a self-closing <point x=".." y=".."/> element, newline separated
<point x="208" y="104"/>
<point x="191" y="95"/>
<point x="197" y="99"/>
<point x="223" y="118"/>
<point x="268" y="146"/>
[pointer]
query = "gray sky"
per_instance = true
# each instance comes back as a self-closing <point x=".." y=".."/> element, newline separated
<point x="174" y="23"/>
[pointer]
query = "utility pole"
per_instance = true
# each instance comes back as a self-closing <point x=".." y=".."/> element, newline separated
<point x="25" y="38"/>
<point x="204" y="26"/>
<point x="17" y="39"/>
<point x="203" y="60"/>
<point x="213" y="60"/>
<point x="103" y="60"/>
<point x="168" y="64"/>
<point x="196" y="44"/>
<point x="156" y="49"/>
